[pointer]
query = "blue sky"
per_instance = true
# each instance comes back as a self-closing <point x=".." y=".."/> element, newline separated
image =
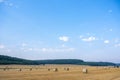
<point x="61" y="29"/>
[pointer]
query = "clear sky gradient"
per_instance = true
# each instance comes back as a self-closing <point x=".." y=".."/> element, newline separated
<point x="61" y="29"/>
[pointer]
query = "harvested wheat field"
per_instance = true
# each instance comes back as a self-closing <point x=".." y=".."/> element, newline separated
<point x="63" y="72"/>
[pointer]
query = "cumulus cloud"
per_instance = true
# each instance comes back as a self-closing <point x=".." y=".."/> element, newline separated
<point x="89" y="39"/>
<point x="106" y="41"/>
<point x="64" y="38"/>
<point x="2" y="46"/>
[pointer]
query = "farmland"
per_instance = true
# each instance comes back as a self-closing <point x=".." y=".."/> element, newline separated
<point x="46" y="72"/>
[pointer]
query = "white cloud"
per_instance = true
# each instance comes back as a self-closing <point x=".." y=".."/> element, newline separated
<point x="81" y="36"/>
<point x="116" y="40"/>
<point x="27" y="49"/>
<point x="48" y="50"/>
<point x="70" y="49"/>
<point x="63" y="45"/>
<point x="88" y="34"/>
<point x="24" y="44"/>
<point x="44" y="49"/>
<point x="106" y="41"/>
<point x="57" y="49"/>
<point x="117" y="45"/>
<point x="89" y="39"/>
<point x="30" y="49"/>
<point x="2" y="46"/>
<point x="8" y="50"/>
<point x="7" y="3"/>
<point x="64" y="38"/>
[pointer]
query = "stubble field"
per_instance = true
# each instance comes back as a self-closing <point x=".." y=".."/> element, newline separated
<point x="46" y="72"/>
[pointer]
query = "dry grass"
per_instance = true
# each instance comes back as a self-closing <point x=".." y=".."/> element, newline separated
<point x="41" y="73"/>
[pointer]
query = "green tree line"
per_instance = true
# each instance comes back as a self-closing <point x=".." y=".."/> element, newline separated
<point x="5" y="60"/>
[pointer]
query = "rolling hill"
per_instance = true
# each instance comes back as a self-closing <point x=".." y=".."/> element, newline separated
<point x="5" y="60"/>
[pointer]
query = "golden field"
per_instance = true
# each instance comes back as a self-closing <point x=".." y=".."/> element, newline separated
<point x="41" y="72"/>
